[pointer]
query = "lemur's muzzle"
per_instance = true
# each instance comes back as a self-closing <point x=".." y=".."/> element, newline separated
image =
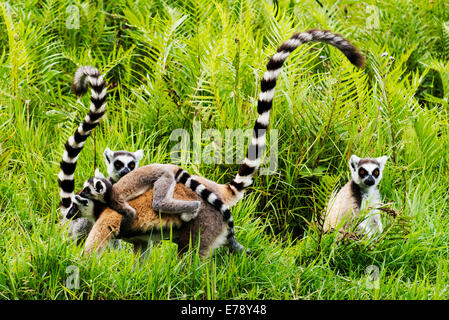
<point x="124" y="171"/>
<point x="73" y="212"/>
<point x="369" y="181"/>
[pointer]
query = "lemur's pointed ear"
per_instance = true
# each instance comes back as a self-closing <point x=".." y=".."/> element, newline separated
<point x="108" y="155"/>
<point x="98" y="174"/>
<point x="382" y="161"/>
<point x="353" y="162"/>
<point x="138" y="154"/>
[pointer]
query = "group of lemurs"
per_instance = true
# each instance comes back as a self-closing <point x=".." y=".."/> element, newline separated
<point x="138" y="203"/>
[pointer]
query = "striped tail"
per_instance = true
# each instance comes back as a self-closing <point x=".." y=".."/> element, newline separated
<point x="83" y="77"/>
<point x="186" y="179"/>
<point x="257" y="146"/>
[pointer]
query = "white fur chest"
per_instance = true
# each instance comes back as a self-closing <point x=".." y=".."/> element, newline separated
<point x="370" y="198"/>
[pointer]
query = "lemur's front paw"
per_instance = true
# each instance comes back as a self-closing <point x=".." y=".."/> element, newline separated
<point x="186" y="217"/>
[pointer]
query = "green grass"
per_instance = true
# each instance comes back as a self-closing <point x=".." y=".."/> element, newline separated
<point x="171" y="64"/>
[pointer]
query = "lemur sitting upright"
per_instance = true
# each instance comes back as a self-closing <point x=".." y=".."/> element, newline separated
<point x="217" y="198"/>
<point x="118" y="164"/>
<point x="359" y="194"/>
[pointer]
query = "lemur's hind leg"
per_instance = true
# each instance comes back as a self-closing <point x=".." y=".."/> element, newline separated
<point x="163" y="200"/>
<point x="207" y="232"/>
<point x="141" y="249"/>
<point x="106" y="228"/>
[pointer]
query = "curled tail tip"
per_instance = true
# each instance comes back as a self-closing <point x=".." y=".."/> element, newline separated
<point x="357" y="58"/>
<point x="80" y="83"/>
<point x="349" y="50"/>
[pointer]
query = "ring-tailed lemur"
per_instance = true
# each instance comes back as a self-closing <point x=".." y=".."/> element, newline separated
<point x="359" y="194"/>
<point x="121" y="162"/>
<point x="118" y="164"/>
<point x="222" y="196"/>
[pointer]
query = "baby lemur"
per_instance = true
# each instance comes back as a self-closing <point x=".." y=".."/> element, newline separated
<point x="359" y="194"/>
<point x="216" y="198"/>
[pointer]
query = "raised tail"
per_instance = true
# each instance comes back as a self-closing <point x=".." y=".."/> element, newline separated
<point x="257" y="146"/>
<point x="84" y="76"/>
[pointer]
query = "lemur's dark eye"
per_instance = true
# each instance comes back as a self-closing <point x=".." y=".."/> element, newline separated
<point x="98" y="186"/>
<point x="376" y="172"/>
<point x="131" y="165"/>
<point x="362" y="172"/>
<point x="118" y="164"/>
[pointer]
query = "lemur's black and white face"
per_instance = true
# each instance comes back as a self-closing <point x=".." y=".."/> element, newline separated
<point x="120" y="163"/>
<point x="82" y="208"/>
<point x="367" y="172"/>
<point x="96" y="188"/>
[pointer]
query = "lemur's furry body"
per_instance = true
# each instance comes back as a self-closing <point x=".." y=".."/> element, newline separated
<point x="226" y="195"/>
<point x="359" y="194"/>
<point x="159" y="177"/>
<point x="208" y="227"/>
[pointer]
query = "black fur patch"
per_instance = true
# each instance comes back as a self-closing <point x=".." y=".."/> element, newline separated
<point x="98" y="209"/>
<point x="260" y="129"/>
<point x="205" y="194"/>
<point x="67" y="185"/>
<point x="356" y="193"/>
<point x="68" y="168"/>
<point x="263" y="106"/>
<point x="98" y="88"/>
<point x="88" y="126"/>
<point x="79" y="137"/>
<point x="246" y="170"/>
<point x="266" y="85"/>
<point x="95" y="116"/>
<point x="218" y="204"/>
<point x="178" y="173"/>
<point x="194" y="184"/>
<point x="72" y="152"/>
<point x="98" y="102"/>
<point x="184" y="177"/>
<point x="286" y="47"/>
<point x="238" y="186"/>
<point x="274" y="65"/>
<point x="226" y="214"/>
<point x="66" y="202"/>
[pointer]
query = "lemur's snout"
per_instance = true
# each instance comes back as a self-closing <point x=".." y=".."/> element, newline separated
<point x="85" y="193"/>
<point x="369" y="181"/>
<point x="73" y="211"/>
<point x="124" y="171"/>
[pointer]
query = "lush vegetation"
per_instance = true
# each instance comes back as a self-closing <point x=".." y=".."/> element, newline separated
<point x="172" y="64"/>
